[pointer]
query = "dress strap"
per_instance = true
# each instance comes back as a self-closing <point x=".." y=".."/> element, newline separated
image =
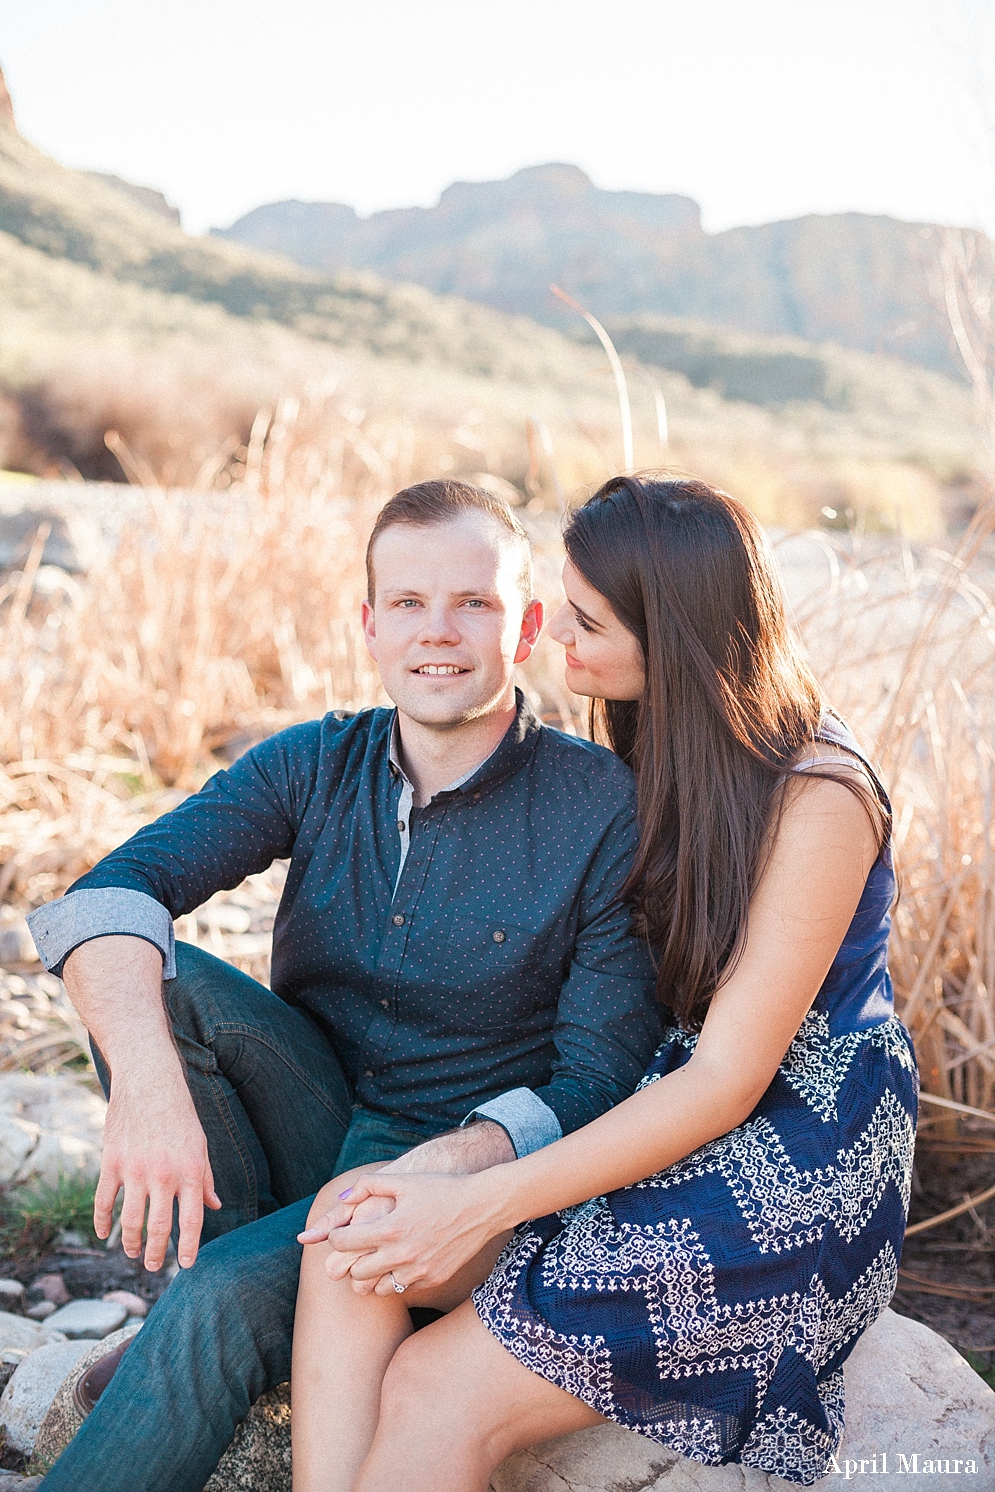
<point x="833" y="731"/>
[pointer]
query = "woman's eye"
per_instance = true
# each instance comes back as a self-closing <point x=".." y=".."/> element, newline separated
<point x="582" y="623"/>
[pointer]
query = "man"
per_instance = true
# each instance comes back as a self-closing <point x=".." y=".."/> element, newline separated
<point x="449" y="947"/>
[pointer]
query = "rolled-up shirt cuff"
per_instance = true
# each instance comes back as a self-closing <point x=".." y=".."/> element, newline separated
<point x="60" y="926"/>
<point x="528" y="1122"/>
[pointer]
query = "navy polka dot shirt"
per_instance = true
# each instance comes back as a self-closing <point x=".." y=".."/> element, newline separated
<point x="499" y="960"/>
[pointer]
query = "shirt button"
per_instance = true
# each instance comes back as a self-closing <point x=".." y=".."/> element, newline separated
<point x="368" y="1073"/>
<point x="401" y="825"/>
<point x="385" y="1004"/>
<point x="397" y="919"/>
<point x="498" y="936"/>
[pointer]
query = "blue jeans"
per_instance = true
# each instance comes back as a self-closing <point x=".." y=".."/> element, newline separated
<point x="278" y="1114"/>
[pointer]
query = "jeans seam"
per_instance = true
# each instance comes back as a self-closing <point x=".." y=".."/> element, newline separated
<point x="228" y="1120"/>
<point x="235" y="1028"/>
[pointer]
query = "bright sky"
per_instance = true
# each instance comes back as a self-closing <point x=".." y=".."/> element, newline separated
<point x="760" y="109"/>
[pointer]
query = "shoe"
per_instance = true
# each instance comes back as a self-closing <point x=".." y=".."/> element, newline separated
<point x="91" y="1384"/>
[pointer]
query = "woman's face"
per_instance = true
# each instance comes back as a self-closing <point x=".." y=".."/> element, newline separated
<point x="603" y="659"/>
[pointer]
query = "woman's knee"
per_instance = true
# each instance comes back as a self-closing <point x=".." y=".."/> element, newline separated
<point x="328" y="1198"/>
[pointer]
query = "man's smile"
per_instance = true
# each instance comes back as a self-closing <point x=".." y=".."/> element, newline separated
<point x="436" y="669"/>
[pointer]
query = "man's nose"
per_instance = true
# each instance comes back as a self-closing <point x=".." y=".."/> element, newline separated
<point x="438" y="627"/>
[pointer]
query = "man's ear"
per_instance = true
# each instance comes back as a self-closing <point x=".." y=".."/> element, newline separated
<point x="369" y="624"/>
<point x="531" y="627"/>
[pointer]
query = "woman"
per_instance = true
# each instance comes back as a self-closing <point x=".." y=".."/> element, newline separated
<point x="749" y="1200"/>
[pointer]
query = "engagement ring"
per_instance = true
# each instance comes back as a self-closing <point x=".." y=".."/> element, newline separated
<point x="399" y="1288"/>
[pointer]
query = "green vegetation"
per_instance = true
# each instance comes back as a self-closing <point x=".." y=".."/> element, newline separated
<point x="31" y="1217"/>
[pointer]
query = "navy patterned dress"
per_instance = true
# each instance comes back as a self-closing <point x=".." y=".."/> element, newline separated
<point x="711" y="1307"/>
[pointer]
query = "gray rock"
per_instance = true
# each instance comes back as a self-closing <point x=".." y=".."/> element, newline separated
<point x="20" y="1334"/>
<point x="62" y="1419"/>
<point x="11" y="1292"/>
<point x="258" y="1459"/>
<point x="50" y="1126"/>
<point x="26" y="1399"/>
<point x="88" y="1318"/>
<point x="17" y="946"/>
<point x="40" y="1311"/>
<point x="909" y="1394"/>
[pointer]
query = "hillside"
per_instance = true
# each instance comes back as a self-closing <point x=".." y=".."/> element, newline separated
<point x="114" y="319"/>
<point x="862" y="281"/>
<point x="88" y="221"/>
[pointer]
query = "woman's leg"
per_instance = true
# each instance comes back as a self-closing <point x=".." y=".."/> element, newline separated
<point x="455" y="1403"/>
<point x="343" y="1345"/>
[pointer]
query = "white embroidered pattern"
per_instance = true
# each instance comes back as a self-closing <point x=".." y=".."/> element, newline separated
<point x="784" y="1207"/>
<point x="789" y="1446"/>
<point x="816" y="1064"/>
<point x="657" y="1261"/>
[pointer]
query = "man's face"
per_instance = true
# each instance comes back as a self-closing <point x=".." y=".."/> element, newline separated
<point x="447" y="627"/>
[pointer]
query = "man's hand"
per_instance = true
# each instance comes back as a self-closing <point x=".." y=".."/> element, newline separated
<point x="154" y="1146"/>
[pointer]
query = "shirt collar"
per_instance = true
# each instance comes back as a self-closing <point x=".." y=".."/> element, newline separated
<point x="511" y="752"/>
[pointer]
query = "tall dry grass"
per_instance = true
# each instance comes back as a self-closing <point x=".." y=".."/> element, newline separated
<point x="224" y="615"/>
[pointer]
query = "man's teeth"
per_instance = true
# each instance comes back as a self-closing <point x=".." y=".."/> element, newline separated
<point x="440" y="668"/>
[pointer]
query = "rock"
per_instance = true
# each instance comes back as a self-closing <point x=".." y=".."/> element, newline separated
<point x="259" y="1456"/>
<point x="52" y="1288"/>
<point x="40" y="1311"/>
<point x="19" y="1334"/>
<point x="12" y="1481"/>
<point x="88" y="1318"/>
<point x="132" y="1303"/>
<point x="17" y="946"/>
<point x="225" y="916"/>
<point x="49" y="1127"/>
<point x="71" y="1238"/>
<point x="908" y="1393"/>
<point x="11" y="1292"/>
<point x="26" y="1399"/>
<point x="62" y="1419"/>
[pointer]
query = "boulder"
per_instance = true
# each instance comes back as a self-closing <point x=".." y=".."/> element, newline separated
<point x="61" y="1419"/>
<point x="91" y="1319"/>
<point x="258" y="1459"/>
<point x="909" y="1395"/>
<point x="26" y="1399"/>
<point x="49" y="1127"/>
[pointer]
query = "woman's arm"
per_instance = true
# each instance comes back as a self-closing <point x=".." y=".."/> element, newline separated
<point x="799" y="915"/>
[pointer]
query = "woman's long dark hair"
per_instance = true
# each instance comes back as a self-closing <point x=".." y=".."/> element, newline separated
<point x="729" y="706"/>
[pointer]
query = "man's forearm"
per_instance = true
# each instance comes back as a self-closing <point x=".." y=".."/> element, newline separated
<point x="116" y="985"/>
<point x="477" y="1147"/>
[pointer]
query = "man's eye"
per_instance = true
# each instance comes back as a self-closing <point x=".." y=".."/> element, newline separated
<point x="474" y="602"/>
<point x="409" y="601"/>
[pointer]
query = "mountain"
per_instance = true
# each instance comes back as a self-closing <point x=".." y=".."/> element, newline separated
<point x="862" y="281"/>
<point x="94" y="224"/>
<point x="113" y="318"/>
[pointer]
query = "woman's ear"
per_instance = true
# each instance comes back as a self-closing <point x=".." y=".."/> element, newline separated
<point x="531" y="627"/>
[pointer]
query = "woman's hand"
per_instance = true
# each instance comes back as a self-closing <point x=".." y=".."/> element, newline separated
<point x="437" y="1225"/>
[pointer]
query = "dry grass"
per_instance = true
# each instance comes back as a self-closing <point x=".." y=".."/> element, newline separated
<point x="226" y="615"/>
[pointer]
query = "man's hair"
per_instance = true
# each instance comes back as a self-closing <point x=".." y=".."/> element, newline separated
<point x="442" y="501"/>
